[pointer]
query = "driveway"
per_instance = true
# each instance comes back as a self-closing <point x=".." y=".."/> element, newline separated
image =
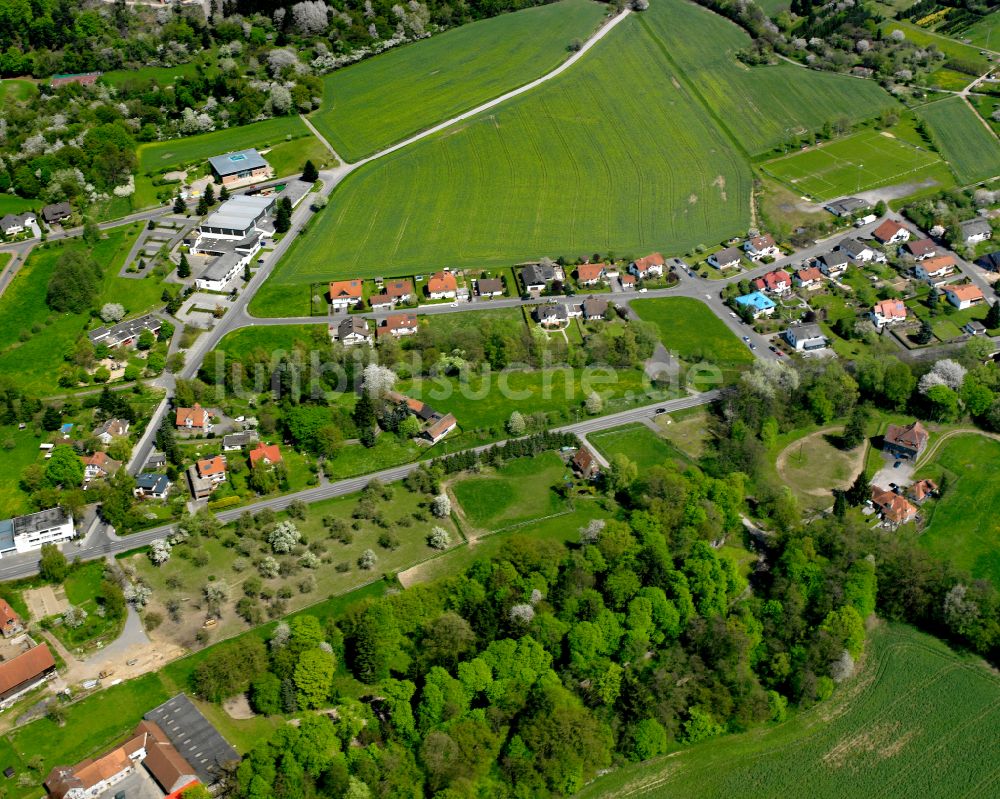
<point x="901" y="475"/>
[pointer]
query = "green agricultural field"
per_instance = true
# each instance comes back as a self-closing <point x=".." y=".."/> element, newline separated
<point x="520" y="491"/>
<point x="11" y="204"/>
<point x="965" y="523"/>
<point x="971" y="148"/>
<point x="919" y="719"/>
<point x="950" y="47"/>
<point x="32" y="338"/>
<point x="272" y="338"/>
<point x="854" y="163"/>
<point x="761" y="107"/>
<point x="638" y="443"/>
<point x="382" y="100"/>
<point x="539" y="176"/>
<point x="689" y="329"/>
<point x="985" y="32"/>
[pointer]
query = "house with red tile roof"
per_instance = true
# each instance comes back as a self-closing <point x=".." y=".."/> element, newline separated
<point x="590" y="274"/>
<point x="810" y="277"/>
<point x="440" y="428"/>
<point x="10" y="622"/>
<point x="887" y="312"/>
<point x="442" y="285"/>
<point x="891" y="232"/>
<point x="24" y="672"/>
<point x="585" y="463"/>
<point x="397" y="325"/>
<point x="922" y="490"/>
<point x="206" y="475"/>
<point x="936" y="269"/>
<point x="628" y="282"/>
<point x="758" y="247"/>
<point x="345" y="294"/>
<point x="777" y="282"/>
<point x="905" y="441"/>
<point x="894" y="509"/>
<point x="196" y="419"/>
<point x="648" y="267"/>
<point x="268" y="454"/>
<point x="98" y="466"/>
<point x="964" y="296"/>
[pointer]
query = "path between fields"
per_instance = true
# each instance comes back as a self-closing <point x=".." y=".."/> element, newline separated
<point x="928" y="454"/>
<point x="321" y="137"/>
<point x="857" y="461"/>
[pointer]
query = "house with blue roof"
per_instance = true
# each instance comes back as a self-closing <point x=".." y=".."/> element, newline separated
<point x="760" y="304"/>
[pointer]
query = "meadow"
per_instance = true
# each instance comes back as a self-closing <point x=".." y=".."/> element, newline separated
<point x="690" y="330"/>
<point x="761" y="107"/>
<point x="952" y="48"/>
<point x="545" y="174"/>
<point x="33" y="339"/>
<point x="17" y="89"/>
<point x="985" y="32"/>
<point x="971" y="148"/>
<point x="638" y="443"/>
<point x="164" y="76"/>
<point x="12" y="204"/>
<point x="382" y="100"/>
<point x="919" y="719"/>
<point x="518" y="492"/>
<point x="854" y="163"/>
<point x="23" y="453"/>
<point x="964" y="525"/>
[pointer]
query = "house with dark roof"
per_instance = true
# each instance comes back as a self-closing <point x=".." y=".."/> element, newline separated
<point x="806" y="338"/>
<point x="56" y="212"/>
<point x="858" y="251"/>
<point x="152" y="486"/>
<point x="125" y="334"/>
<point x="848" y="206"/>
<point x="594" y="308"/>
<point x="351" y="331"/>
<point x="194" y="737"/>
<point x="918" y="249"/>
<point x="24" y="672"/>
<point x="834" y="264"/>
<point x="109" y="430"/>
<point x="12" y="224"/>
<point x="239" y="168"/>
<point x="536" y="277"/>
<point x="553" y="315"/>
<point x="976" y="230"/>
<point x="490" y="287"/>
<point x="233" y="442"/>
<point x="905" y="441"/>
<point x="729" y="258"/>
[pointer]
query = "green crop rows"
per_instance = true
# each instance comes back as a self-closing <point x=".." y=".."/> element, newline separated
<point x="971" y="148"/>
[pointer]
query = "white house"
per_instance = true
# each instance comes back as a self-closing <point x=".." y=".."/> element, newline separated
<point x="728" y="258"/>
<point x="28" y="533"/>
<point x="887" y="312"/>
<point x="12" y="224"/>
<point x="110" y="430"/>
<point x="345" y="294"/>
<point x="964" y="296"/>
<point x="351" y="331"/>
<point x="935" y="270"/>
<point x="976" y="230"/>
<point x="759" y="247"/>
<point x="859" y="252"/>
<point x="442" y="286"/>
<point x="648" y="267"/>
<point x="834" y="264"/>
<point x="806" y="338"/>
<point x="891" y="232"/>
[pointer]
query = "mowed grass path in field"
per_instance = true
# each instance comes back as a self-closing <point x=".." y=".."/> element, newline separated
<point x="610" y="155"/>
<point x="761" y="106"/>
<point x="377" y="102"/>
<point x="972" y="150"/>
<point x="918" y="720"/>
<point x="965" y="522"/>
<point x="860" y="161"/>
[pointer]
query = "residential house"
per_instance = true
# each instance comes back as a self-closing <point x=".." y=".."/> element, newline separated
<point x="345" y="294"/>
<point x="99" y="467"/>
<point x="110" y="430"/>
<point x="974" y="328"/>
<point x="125" y="334"/>
<point x="891" y="232"/>
<point x="649" y="267"/>
<point x="806" y="338"/>
<point x="489" y="287"/>
<point x="728" y="258"/>
<point x="10" y="622"/>
<point x="196" y="419"/>
<point x="381" y="302"/>
<point x="397" y="325"/>
<point x="848" y="206"/>
<point x="906" y="440"/>
<point x="240" y="168"/>
<point x="267" y="454"/>
<point x="758" y="303"/>
<point x="585" y="463"/>
<point x="808" y="278"/>
<point x="964" y="296"/>
<point x="628" y="282"/>
<point x="351" y="331"/>
<point x="28" y="533"/>
<point x="442" y="286"/>
<point x="936" y="269"/>
<point x="206" y="475"/>
<point x="976" y="230"/>
<point x="24" y="672"/>
<point x="990" y="261"/>
<point x="233" y="442"/>
<point x="777" y="282"/>
<point x="894" y="509"/>
<point x="834" y="264"/>
<point x="440" y="428"/>
<point x="536" y="277"/>
<point x="590" y="274"/>
<point x="922" y="490"/>
<point x="758" y="247"/>
<point x="887" y="312"/>
<point x="594" y="308"/>
<point x="152" y="486"/>
<point x="918" y="249"/>
<point x="859" y="252"/>
<point x="56" y="212"/>
<point x="400" y="289"/>
<point x="555" y="315"/>
<point x="12" y="224"/>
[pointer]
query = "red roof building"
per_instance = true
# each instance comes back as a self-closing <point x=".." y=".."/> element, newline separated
<point x="196" y="418"/>
<point x="890" y="232"/>
<point x="588" y="274"/>
<point x="213" y="468"/>
<point x="25" y="671"/>
<point x="777" y="282"/>
<point x="892" y="507"/>
<point x="442" y="284"/>
<point x="396" y="325"/>
<point x="808" y="276"/>
<point x="10" y="622"/>
<point x="268" y="454"/>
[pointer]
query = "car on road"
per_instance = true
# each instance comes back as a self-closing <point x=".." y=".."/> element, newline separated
<point x="753" y="346"/>
<point x="779" y="353"/>
<point x="896" y="464"/>
<point x="708" y="296"/>
<point x="643" y="290"/>
<point x="734" y="314"/>
<point x="659" y="411"/>
<point x="746" y="339"/>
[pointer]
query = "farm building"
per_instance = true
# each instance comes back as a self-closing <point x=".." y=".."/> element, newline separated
<point x="24" y="672"/>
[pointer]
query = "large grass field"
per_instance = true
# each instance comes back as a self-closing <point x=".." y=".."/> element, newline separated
<point x="11" y="204"/>
<point x="34" y="339"/>
<point x="952" y="48"/>
<point x="854" y="163"/>
<point x="761" y="106"/>
<point x="814" y="465"/>
<point x="970" y="147"/>
<point x="918" y="720"/>
<point x="690" y="330"/>
<point x="965" y="523"/>
<point x="638" y="443"/>
<point x="16" y="458"/>
<point x="382" y="100"/>
<point x="610" y="155"/>
<point x="519" y="492"/>
<point x="985" y="32"/>
<point x="17" y="89"/>
<point x="164" y="76"/>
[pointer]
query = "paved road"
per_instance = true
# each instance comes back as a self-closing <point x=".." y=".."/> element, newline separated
<point x="101" y="543"/>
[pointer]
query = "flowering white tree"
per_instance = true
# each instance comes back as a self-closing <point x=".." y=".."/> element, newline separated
<point x="281" y="635"/>
<point x="945" y="372"/>
<point x="842" y="668"/>
<point x="590" y="533"/>
<point x="310" y="560"/>
<point x="441" y="506"/>
<point x="522" y="613"/>
<point x="593" y="403"/>
<point x="281" y="99"/>
<point x="515" y="424"/>
<point x="74" y="617"/>
<point x="368" y="559"/>
<point x="159" y="551"/>
<point x="112" y="311"/>
<point x="378" y="380"/>
<point x="439" y="538"/>
<point x="959" y="610"/>
<point x="279" y="58"/>
<point x="310" y="17"/>
<point x="284" y="536"/>
<point x="268" y="567"/>
<point x="138" y="595"/>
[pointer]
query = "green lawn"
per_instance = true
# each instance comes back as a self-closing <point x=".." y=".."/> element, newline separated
<point x="860" y="161"/>
<point x="164" y="76"/>
<point x="12" y="204"/>
<point x="920" y="719"/>
<point x="34" y="339"/>
<point x="637" y="442"/>
<point x="272" y="338"/>
<point x="17" y="89"/>
<point x="971" y="148"/>
<point x="965" y="522"/>
<point x="689" y="329"/>
<point x="761" y="106"/>
<point x="382" y="100"/>
<point x="518" y="492"/>
<point x="82" y="588"/>
<point x="539" y="176"/>
<point x="23" y="453"/>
